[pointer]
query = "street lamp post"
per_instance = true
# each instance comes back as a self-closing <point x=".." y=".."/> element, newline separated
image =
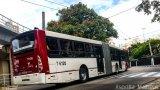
<point x="150" y="48"/>
<point x="143" y="34"/>
<point x="43" y="20"/>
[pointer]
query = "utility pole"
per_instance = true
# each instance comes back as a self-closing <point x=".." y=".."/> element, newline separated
<point x="150" y="48"/>
<point x="143" y="34"/>
<point x="43" y="20"/>
<point x="125" y="44"/>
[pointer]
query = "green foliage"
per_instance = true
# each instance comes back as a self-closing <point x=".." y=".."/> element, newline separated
<point x="76" y="14"/>
<point x="147" y="5"/>
<point x="81" y="21"/>
<point x="142" y="49"/>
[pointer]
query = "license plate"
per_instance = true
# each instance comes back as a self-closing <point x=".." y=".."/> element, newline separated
<point x="25" y="79"/>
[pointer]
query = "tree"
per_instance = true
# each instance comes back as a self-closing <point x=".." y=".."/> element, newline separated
<point x="147" y="6"/>
<point x="142" y="49"/>
<point x="78" y="20"/>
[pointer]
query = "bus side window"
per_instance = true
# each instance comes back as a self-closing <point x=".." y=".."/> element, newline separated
<point x="113" y="54"/>
<point x="52" y="47"/>
<point x="89" y="50"/>
<point x="98" y="51"/>
<point x="79" y="49"/>
<point x="92" y="51"/>
<point x="66" y="48"/>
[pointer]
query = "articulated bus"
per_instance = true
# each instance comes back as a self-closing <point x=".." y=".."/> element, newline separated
<point x="40" y="57"/>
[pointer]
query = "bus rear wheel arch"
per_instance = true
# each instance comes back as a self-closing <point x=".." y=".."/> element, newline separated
<point x="83" y="73"/>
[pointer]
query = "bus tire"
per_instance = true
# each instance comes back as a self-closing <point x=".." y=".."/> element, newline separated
<point x="83" y="74"/>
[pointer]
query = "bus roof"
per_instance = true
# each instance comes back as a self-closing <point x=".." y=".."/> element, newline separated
<point x="69" y="37"/>
<point x="21" y="34"/>
<point x="75" y="38"/>
<point x="115" y="47"/>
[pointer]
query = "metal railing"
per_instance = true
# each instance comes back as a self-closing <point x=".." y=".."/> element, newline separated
<point x="5" y="80"/>
<point x="12" y="25"/>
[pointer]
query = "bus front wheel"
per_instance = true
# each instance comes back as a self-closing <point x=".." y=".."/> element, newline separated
<point x="83" y="74"/>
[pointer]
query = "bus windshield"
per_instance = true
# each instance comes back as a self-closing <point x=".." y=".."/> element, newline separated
<point x="23" y="43"/>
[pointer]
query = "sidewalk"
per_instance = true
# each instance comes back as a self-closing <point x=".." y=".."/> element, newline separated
<point x="153" y="85"/>
<point x="28" y="87"/>
<point x="9" y="88"/>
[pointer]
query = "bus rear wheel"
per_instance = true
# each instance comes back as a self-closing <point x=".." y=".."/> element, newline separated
<point x="83" y="74"/>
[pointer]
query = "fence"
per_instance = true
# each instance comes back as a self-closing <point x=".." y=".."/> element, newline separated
<point x="5" y="80"/>
<point x="12" y="25"/>
<point x="146" y="61"/>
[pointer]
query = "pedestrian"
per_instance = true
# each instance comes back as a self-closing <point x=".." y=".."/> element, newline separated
<point x="126" y="66"/>
<point x="116" y="68"/>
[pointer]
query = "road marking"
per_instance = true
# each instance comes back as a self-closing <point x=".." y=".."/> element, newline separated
<point x="136" y="75"/>
<point x="127" y="75"/>
<point x="122" y="75"/>
<point x="149" y="74"/>
<point x="139" y="74"/>
<point x="157" y="75"/>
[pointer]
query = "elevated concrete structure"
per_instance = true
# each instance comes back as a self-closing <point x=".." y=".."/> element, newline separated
<point x="8" y="29"/>
<point x="6" y="35"/>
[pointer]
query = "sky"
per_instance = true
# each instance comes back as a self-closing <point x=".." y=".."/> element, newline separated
<point x="130" y="24"/>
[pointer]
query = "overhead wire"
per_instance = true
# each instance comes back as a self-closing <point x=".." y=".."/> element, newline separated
<point x="123" y="37"/>
<point x="39" y="5"/>
<point x="145" y="34"/>
<point x="69" y="3"/>
<point x="56" y="3"/>
<point x="121" y="31"/>
<point x="122" y="12"/>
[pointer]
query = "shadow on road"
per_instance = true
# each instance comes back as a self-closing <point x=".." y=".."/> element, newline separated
<point x="59" y="86"/>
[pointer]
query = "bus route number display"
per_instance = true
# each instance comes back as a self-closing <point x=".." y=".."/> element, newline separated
<point x="59" y="63"/>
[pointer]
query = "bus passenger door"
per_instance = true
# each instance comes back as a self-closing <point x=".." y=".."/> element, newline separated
<point x="99" y="56"/>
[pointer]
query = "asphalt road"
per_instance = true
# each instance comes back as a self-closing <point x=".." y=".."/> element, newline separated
<point x="134" y="78"/>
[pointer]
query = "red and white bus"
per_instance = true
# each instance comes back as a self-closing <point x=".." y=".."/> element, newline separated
<point x="40" y="56"/>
